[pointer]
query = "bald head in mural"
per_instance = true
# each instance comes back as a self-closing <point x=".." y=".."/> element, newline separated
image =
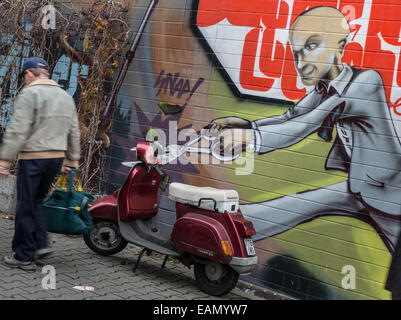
<point x="366" y="145"/>
<point x="318" y="38"/>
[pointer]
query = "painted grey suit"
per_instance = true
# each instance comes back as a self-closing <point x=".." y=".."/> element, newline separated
<point x="366" y="146"/>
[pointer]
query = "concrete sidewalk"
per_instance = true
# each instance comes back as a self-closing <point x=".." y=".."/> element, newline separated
<point x="112" y="277"/>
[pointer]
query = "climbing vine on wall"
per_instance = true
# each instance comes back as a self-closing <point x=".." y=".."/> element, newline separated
<point x="91" y="40"/>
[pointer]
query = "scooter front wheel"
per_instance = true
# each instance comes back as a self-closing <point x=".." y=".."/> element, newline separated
<point x="105" y="238"/>
<point x="215" y="278"/>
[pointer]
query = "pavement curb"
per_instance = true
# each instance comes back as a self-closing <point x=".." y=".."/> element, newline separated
<point x="255" y="292"/>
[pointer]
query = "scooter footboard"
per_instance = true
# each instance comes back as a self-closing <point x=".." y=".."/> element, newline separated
<point x="202" y="236"/>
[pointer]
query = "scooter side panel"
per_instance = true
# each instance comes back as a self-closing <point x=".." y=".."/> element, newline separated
<point x="104" y="208"/>
<point x="228" y="221"/>
<point x="138" y="196"/>
<point x="201" y="236"/>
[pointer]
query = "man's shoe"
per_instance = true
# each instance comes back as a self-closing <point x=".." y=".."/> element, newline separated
<point x="42" y="253"/>
<point x="24" y="265"/>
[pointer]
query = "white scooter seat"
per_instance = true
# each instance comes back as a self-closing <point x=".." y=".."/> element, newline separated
<point x="205" y="197"/>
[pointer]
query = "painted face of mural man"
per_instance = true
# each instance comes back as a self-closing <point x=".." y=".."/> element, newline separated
<point x="317" y="40"/>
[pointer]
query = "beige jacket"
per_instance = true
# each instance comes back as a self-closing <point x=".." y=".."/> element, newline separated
<point x="44" y="125"/>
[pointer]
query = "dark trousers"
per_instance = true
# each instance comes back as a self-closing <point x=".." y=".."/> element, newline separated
<point x="393" y="282"/>
<point x="34" y="179"/>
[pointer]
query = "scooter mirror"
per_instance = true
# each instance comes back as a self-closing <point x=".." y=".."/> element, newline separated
<point x="146" y="152"/>
<point x="164" y="182"/>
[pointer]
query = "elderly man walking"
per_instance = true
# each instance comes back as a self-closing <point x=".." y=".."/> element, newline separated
<point x="44" y="135"/>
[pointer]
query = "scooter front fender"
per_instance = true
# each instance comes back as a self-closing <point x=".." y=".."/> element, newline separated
<point x="201" y="236"/>
<point x="104" y="208"/>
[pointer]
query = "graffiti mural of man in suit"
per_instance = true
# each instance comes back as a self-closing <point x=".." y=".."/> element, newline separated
<point x="366" y="145"/>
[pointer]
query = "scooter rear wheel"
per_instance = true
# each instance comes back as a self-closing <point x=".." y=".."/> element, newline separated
<point x="105" y="238"/>
<point x="215" y="278"/>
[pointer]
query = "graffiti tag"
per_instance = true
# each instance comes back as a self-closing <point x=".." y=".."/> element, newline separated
<point x="174" y="85"/>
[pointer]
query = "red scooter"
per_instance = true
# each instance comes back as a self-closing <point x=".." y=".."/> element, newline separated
<point x="210" y="231"/>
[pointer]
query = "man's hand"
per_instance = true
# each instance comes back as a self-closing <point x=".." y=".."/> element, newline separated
<point x="68" y="164"/>
<point x="217" y="125"/>
<point x="4" y="171"/>
<point x="65" y="169"/>
<point x="5" y="167"/>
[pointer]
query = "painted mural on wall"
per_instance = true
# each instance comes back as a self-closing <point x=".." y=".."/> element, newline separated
<point x="366" y="146"/>
<point x="318" y="102"/>
<point x="257" y="57"/>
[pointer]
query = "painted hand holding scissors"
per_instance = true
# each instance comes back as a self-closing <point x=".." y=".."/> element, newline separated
<point x="216" y="142"/>
<point x="174" y="151"/>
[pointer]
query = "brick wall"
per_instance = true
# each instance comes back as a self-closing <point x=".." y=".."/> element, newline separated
<point x="201" y="60"/>
<point x="324" y="209"/>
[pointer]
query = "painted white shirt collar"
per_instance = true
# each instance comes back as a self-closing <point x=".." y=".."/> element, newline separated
<point x="342" y="80"/>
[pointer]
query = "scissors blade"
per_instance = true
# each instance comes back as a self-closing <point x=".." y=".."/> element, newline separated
<point x="190" y="143"/>
<point x="128" y="164"/>
<point x="198" y="150"/>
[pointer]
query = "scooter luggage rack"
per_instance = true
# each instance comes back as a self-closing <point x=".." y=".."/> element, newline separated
<point x="209" y="199"/>
<point x="206" y="198"/>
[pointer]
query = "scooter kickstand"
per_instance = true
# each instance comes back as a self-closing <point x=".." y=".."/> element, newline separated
<point x="139" y="259"/>
<point x="164" y="262"/>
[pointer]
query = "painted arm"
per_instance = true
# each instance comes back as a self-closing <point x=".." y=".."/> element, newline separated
<point x="277" y="132"/>
<point x="292" y="127"/>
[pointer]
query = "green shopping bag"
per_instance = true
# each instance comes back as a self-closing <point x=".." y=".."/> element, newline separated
<point x="66" y="209"/>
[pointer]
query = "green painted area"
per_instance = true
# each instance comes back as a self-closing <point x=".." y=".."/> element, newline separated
<point x="325" y="245"/>
<point x="169" y="108"/>
<point x="294" y="169"/>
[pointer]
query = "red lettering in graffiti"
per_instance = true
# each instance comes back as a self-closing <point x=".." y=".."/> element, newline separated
<point x="247" y="78"/>
<point x="353" y="54"/>
<point x="375" y="41"/>
<point x="302" y="5"/>
<point x="383" y="45"/>
<point x="289" y="78"/>
<point x="273" y="51"/>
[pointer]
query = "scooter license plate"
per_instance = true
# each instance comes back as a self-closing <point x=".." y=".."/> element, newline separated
<point x="250" y="249"/>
